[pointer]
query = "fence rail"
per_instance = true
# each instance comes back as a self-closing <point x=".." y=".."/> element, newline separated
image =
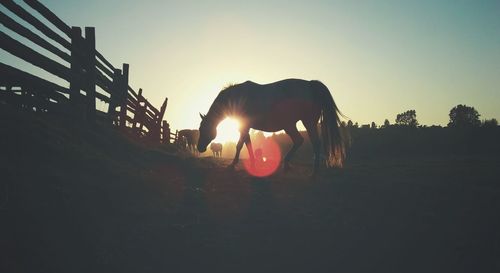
<point x="79" y="64"/>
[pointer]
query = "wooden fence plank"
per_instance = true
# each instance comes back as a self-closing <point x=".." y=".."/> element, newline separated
<point x="63" y="27"/>
<point x="104" y="69"/>
<point x="14" y="75"/>
<point x="30" y="35"/>
<point x="50" y="16"/>
<point x="103" y="82"/>
<point x="102" y="97"/>
<point x="26" y="16"/>
<point x="104" y="61"/>
<point x="152" y="108"/>
<point x="131" y="109"/>
<point x="23" y="52"/>
<point x="131" y="99"/>
<point x="132" y="92"/>
<point x="56" y="21"/>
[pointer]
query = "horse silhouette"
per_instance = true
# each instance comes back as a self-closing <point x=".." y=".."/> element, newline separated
<point x="279" y="106"/>
<point x="190" y="138"/>
<point x="216" y="149"/>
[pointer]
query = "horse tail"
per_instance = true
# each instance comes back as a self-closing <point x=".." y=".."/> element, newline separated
<point x="333" y="140"/>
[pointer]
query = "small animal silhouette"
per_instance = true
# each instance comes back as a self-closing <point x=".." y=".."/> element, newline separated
<point x="189" y="139"/>
<point x="216" y="149"/>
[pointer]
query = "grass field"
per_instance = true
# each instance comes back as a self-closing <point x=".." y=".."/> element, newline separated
<point x="78" y="199"/>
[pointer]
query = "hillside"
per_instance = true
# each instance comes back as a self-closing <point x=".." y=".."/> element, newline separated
<point x="79" y="198"/>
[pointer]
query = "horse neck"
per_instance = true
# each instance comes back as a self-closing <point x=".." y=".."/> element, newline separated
<point x="216" y="113"/>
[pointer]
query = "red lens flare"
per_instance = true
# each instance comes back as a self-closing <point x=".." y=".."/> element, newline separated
<point x="267" y="158"/>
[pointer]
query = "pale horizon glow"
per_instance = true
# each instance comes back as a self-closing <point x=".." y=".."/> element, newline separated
<point x="378" y="58"/>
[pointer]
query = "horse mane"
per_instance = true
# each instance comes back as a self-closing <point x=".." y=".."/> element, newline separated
<point x="229" y="85"/>
<point x="232" y="84"/>
<point x="219" y="101"/>
<point x="225" y="105"/>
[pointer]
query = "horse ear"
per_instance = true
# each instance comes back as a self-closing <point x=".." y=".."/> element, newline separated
<point x="202" y="116"/>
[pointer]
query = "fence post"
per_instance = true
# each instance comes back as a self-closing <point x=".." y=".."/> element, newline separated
<point x="142" y="114"/>
<point x="91" y="72"/>
<point x="138" y="120"/>
<point x="76" y="69"/>
<point x="165" y="132"/>
<point x="115" y="94"/>
<point x="157" y="130"/>
<point x="123" y="96"/>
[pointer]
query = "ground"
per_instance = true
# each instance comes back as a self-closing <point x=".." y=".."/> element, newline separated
<point x="66" y="206"/>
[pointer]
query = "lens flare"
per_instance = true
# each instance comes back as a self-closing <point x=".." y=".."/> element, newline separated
<point x="267" y="159"/>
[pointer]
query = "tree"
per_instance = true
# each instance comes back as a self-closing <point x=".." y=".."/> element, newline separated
<point x="490" y="123"/>
<point x="350" y="124"/>
<point x="408" y="118"/>
<point x="373" y="125"/>
<point x="387" y="124"/>
<point x="463" y="116"/>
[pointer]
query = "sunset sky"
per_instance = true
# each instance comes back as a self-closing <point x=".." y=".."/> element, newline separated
<point x="378" y="58"/>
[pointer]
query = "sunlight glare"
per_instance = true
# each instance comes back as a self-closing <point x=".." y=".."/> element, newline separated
<point x="228" y="131"/>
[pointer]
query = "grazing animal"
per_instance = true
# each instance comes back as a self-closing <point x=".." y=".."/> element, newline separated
<point x="279" y="106"/>
<point x="216" y="149"/>
<point x="191" y="138"/>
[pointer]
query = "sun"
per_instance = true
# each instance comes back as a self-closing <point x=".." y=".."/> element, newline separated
<point x="228" y="131"/>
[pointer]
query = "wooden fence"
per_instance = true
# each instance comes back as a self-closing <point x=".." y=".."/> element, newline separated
<point x="82" y="67"/>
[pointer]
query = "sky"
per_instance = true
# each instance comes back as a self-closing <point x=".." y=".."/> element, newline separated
<point x="378" y="58"/>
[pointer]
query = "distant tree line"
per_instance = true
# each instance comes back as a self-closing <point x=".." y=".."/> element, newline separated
<point x="461" y="116"/>
<point x="404" y="137"/>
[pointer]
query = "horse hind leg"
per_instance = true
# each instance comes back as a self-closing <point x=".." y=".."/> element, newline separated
<point x="312" y="131"/>
<point x="297" y="142"/>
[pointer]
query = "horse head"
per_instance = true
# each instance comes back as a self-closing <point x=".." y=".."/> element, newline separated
<point x="208" y="131"/>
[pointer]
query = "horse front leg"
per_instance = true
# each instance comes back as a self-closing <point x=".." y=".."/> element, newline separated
<point x="248" y="143"/>
<point x="243" y="136"/>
